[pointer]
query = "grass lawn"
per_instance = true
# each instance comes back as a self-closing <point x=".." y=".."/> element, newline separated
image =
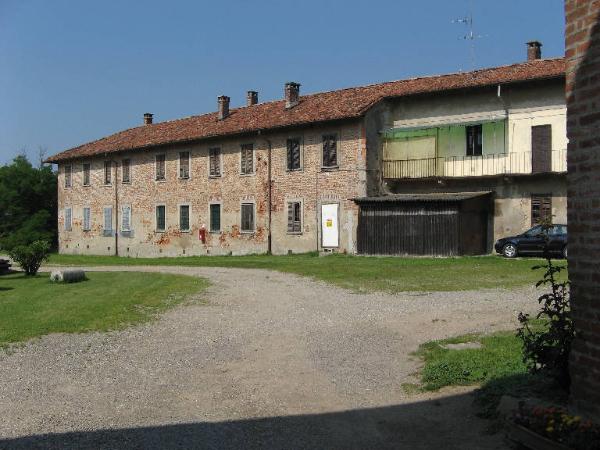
<point x="34" y="306"/>
<point x="498" y="366"/>
<point x="390" y="274"/>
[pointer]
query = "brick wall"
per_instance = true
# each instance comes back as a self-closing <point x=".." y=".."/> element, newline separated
<point x="583" y="130"/>
<point x="311" y="185"/>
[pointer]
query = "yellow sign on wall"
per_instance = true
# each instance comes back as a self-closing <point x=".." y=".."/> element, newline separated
<point x="329" y="223"/>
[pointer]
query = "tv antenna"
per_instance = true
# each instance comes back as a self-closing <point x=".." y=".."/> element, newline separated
<point x="470" y="36"/>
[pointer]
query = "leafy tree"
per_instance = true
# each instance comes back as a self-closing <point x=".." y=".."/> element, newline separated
<point x="28" y="204"/>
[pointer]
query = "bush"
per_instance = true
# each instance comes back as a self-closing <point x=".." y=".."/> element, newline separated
<point x="30" y="257"/>
<point x="547" y="350"/>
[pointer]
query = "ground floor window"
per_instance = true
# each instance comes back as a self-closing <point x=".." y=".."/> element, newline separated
<point x="86" y="219"/>
<point x="247" y="224"/>
<point x="161" y="220"/>
<point x="215" y="217"/>
<point x="68" y="219"/>
<point x="294" y="217"/>
<point x="126" y="219"/>
<point x="541" y="208"/>
<point x="184" y="217"/>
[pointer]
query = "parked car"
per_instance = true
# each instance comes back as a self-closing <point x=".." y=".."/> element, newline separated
<point x="534" y="242"/>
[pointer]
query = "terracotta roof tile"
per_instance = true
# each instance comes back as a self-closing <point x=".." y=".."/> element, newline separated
<point x="321" y="107"/>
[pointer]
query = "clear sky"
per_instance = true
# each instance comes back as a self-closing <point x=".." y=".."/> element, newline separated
<point x="75" y="71"/>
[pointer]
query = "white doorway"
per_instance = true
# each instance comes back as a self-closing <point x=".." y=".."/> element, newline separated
<point x="330" y="234"/>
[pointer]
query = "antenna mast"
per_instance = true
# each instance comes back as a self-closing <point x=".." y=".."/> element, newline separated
<point x="470" y="36"/>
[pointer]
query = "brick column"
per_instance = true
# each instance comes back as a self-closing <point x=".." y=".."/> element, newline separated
<point x="583" y="129"/>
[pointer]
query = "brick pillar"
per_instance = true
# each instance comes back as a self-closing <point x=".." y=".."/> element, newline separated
<point x="583" y="129"/>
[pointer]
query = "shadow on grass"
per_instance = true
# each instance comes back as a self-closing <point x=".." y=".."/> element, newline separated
<point x="446" y="423"/>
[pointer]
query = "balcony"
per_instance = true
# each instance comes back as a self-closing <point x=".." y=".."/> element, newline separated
<point x="517" y="163"/>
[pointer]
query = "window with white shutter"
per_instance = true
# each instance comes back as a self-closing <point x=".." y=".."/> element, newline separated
<point x="108" y="228"/>
<point x="126" y="218"/>
<point x="68" y="219"/>
<point x="86" y="219"/>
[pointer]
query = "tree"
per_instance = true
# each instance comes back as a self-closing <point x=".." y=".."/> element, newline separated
<point x="28" y="204"/>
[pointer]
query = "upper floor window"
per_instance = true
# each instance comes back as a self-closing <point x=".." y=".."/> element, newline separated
<point x="160" y="167"/>
<point x="68" y="175"/>
<point x="126" y="170"/>
<point x="107" y="172"/>
<point x="184" y="165"/>
<point x="330" y="157"/>
<point x="293" y="154"/>
<point x="214" y="157"/>
<point x="247" y="159"/>
<point x="86" y="174"/>
<point x="474" y="140"/>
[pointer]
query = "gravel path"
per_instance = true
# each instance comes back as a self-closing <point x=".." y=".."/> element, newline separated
<point x="271" y="360"/>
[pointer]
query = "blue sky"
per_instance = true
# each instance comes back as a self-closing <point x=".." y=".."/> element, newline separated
<point x="75" y="71"/>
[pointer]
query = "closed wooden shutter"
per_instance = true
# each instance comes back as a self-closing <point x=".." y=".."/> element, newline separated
<point x="86" y="219"/>
<point x="126" y="219"/>
<point x="107" y="219"/>
<point x="247" y="159"/>
<point x="541" y="148"/>
<point x="215" y="162"/>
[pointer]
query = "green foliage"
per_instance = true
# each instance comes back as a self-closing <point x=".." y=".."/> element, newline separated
<point x="28" y="202"/>
<point x="359" y="273"/>
<point x="547" y="350"/>
<point x="30" y="257"/>
<point x="34" y="306"/>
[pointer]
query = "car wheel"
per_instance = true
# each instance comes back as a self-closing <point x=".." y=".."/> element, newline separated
<point x="564" y="252"/>
<point x="509" y="250"/>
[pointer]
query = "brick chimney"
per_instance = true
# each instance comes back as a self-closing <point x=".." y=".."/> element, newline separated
<point x="534" y="50"/>
<point x="223" y="106"/>
<point x="251" y="98"/>
<point x="147" y="119"/>
<point x="292" y="94"/>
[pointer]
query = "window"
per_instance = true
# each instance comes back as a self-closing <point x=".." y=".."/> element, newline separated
<point x="247" y="159"/>
<point x="108" y="221"/>
<point x="184" y="217"/>
<point x="474" y="140"/>
<point x="107" y="172"/>
<point x="541" y="208"/>
<point x="215" y="217"/>
<point x="293" y="154"/>
<point x="86" y="174"/>
<point x="330" y="150"/>
<point x="68" y="219"/>
<point x="126" y="171"/>
<point x="161" y="220"/>
<point x="86" y="219"/>
<point x="247" y="217"/>
<point x="126" y="218"/>
<point x="541" y="148"/>
<point x="160" y="167"/>
<point x="184" y="165"/>
<point x="214" y="156"/>
<point x="68" y="176"/>
<point x="294" y="217"/>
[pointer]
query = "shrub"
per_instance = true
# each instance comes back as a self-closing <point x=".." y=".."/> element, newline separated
<point x="546" y="350"/>
<point x="30" y="257"/>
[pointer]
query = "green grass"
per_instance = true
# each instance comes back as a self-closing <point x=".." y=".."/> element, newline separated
<point x="34" y="306"/>
<point x="497" y="366"/>
<point x="363" y="274"/>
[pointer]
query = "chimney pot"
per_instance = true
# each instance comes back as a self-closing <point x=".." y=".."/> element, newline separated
<point x="148" y="119"/>
<point x="534" y="50"/>
<point x="251" y="98"/>
<point x="223" y="106"/>
<point x="292" y="94"/>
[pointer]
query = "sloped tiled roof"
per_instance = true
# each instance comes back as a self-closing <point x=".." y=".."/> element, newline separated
<point x="321" y="107"/>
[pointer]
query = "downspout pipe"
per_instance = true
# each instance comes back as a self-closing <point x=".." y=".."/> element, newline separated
<point x="116" y="230"/>
<point x="269" y="196"/>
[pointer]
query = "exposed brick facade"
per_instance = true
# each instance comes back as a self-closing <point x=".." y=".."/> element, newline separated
<point x="583" y="128"/>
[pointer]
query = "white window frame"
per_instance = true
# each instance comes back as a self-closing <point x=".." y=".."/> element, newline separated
<point x="160" y="180"/>
<point x="68" y="225"/>
<point x="156" y="229"/>
<point x="87" y="226"/>
<point x="189" y="228"/>
<point x="70" y="176"/>
<point x="189" y="152"/>
<point x="123" y="228"/>
<point x="253" y="203"/>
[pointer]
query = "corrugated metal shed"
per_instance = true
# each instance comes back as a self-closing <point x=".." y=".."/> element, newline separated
<point x="429" y="197"/>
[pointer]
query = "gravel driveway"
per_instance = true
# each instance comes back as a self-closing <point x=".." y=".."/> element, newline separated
<point x="271" y="360"/>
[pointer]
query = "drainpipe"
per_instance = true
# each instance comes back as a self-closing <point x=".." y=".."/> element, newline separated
<point x="116" y="206"/>
<point x="269" y="178"/>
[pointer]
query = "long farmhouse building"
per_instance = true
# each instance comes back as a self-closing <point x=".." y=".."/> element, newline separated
<point x="431" y="165"/>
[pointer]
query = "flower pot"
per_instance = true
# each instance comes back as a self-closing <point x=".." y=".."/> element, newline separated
<point x="532" y="440"/>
